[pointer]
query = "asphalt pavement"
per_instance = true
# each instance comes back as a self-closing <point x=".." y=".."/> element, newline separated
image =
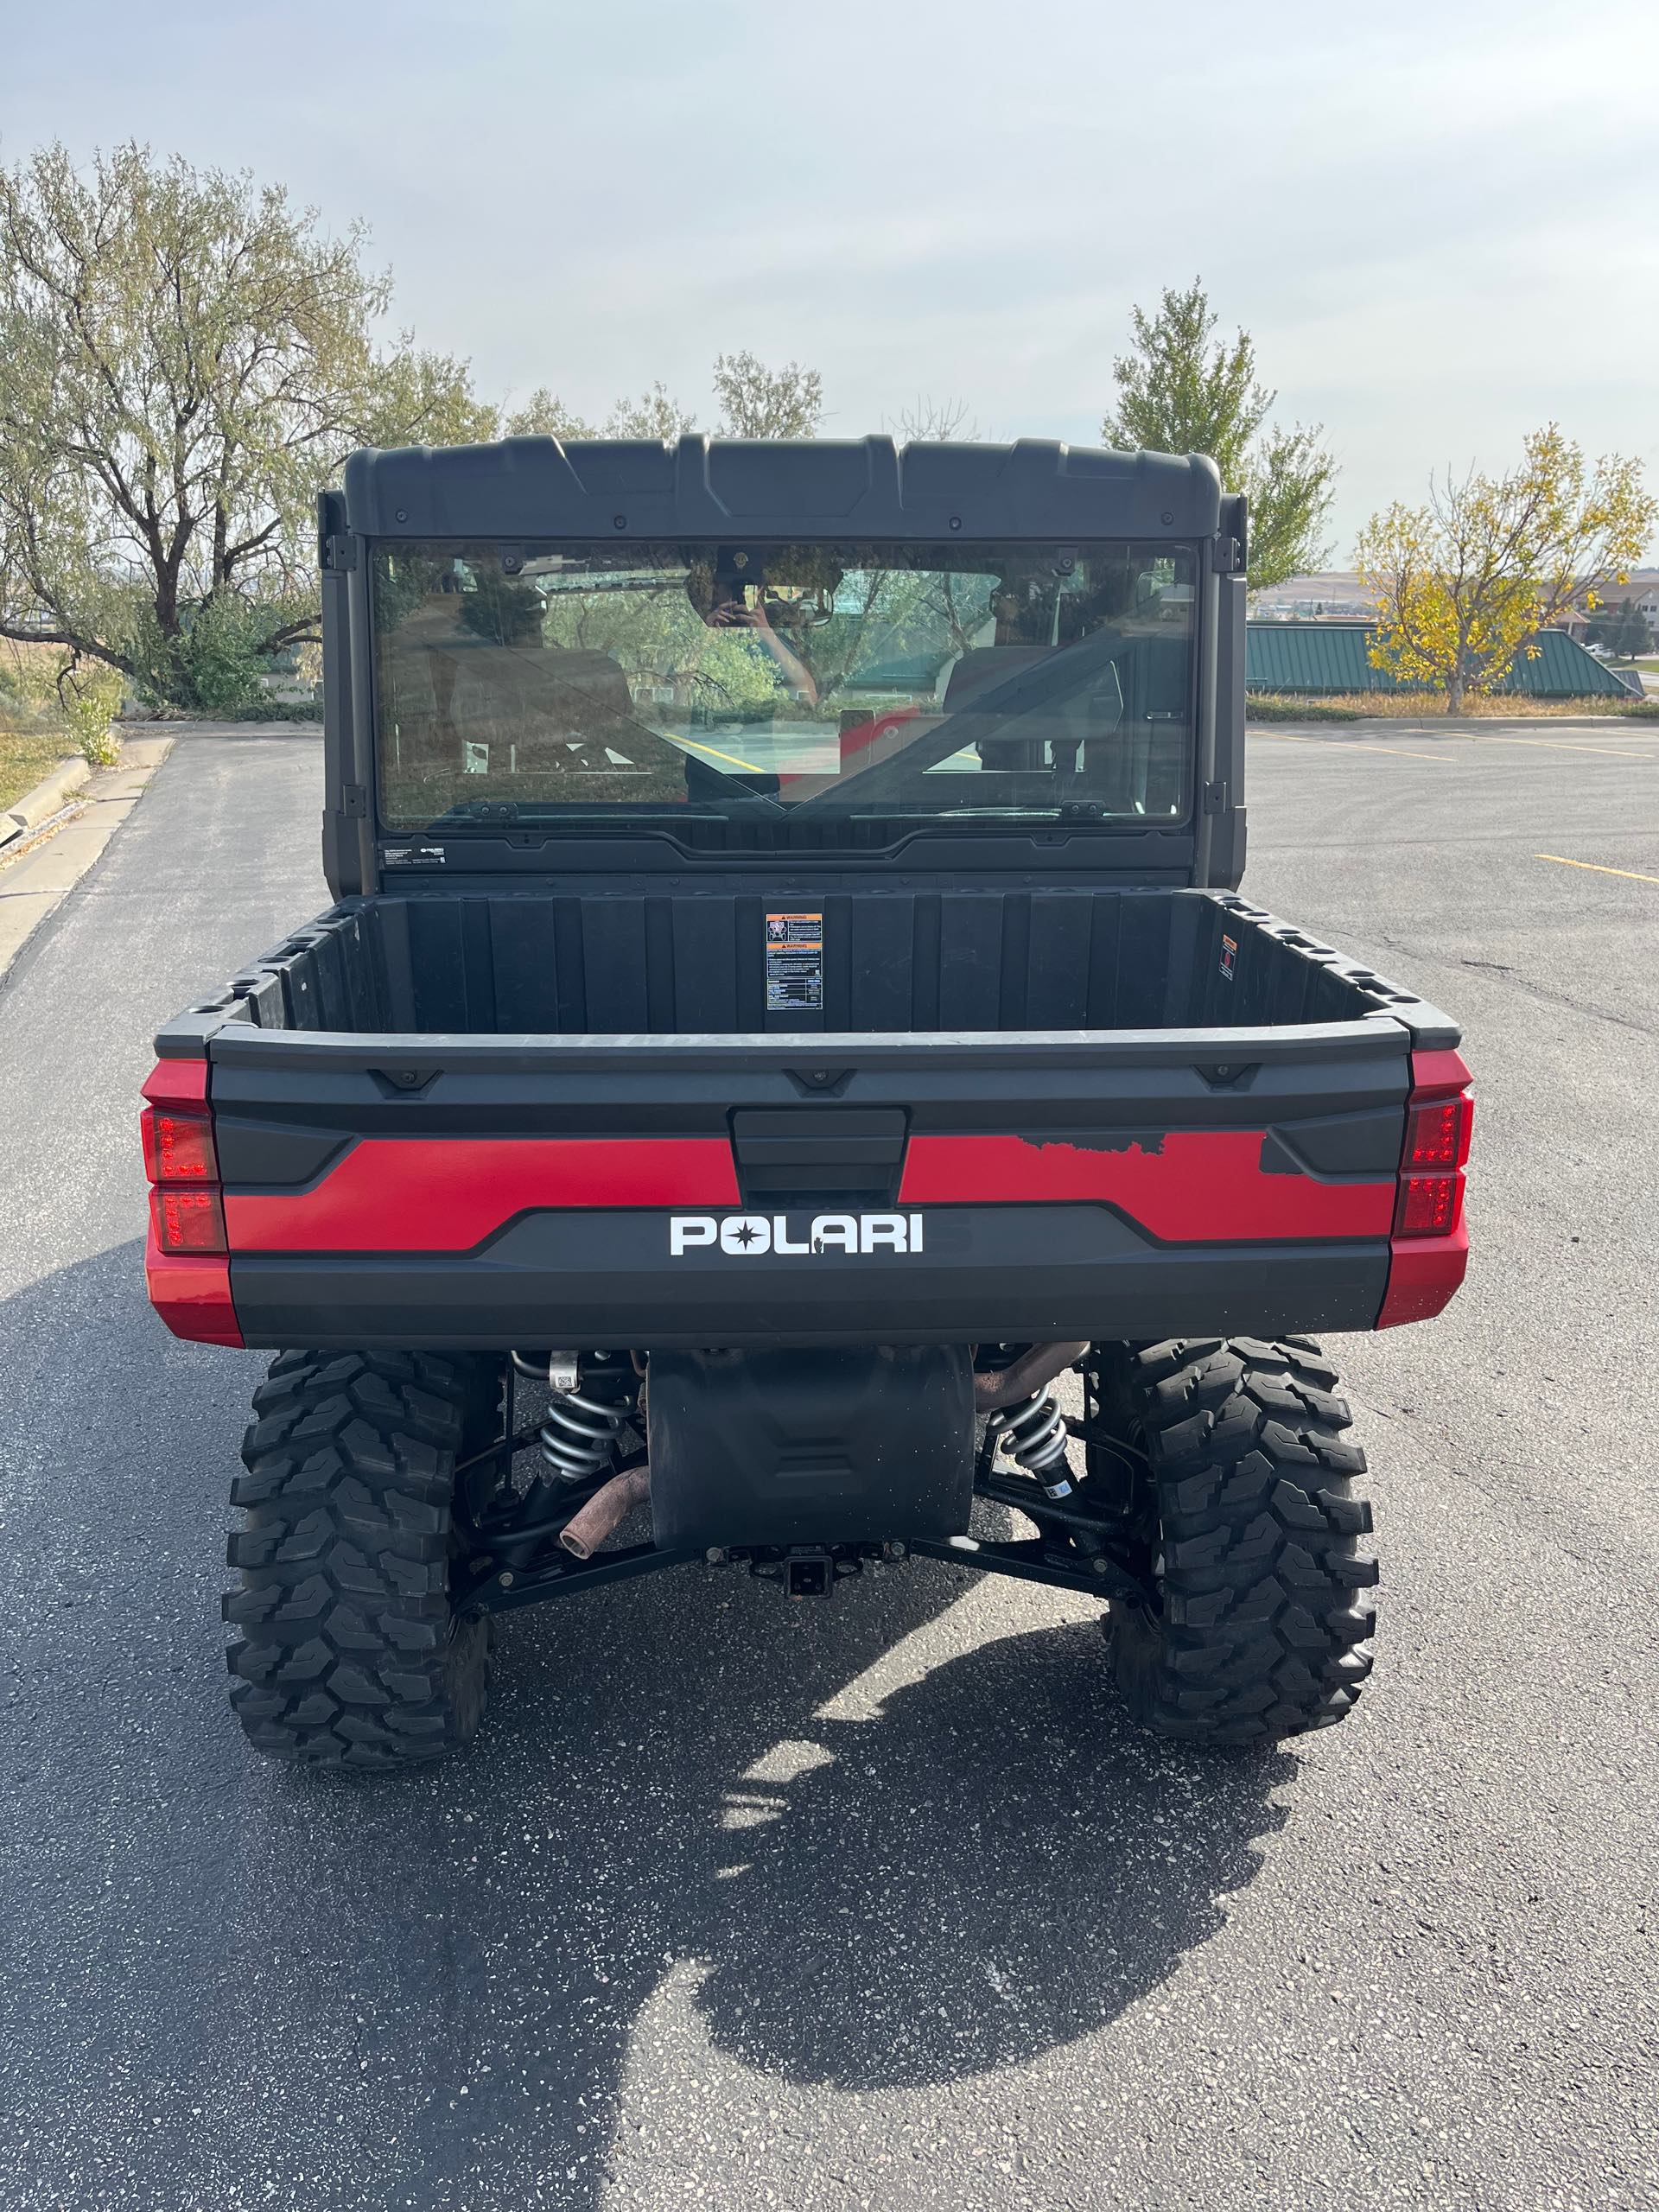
<point x="879" y="1903"/>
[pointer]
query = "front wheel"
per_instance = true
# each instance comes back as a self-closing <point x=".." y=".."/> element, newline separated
<point x="1237" y="1482"/>
<point x="351" y="1654"/>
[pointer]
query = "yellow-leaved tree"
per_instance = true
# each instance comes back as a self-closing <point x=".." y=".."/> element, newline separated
<point x="1464" y="582"/>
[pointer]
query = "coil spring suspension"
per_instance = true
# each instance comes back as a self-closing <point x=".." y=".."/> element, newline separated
<point x="578" y="1435"/>
<point x="579" y="1432"/>
<point x="1034" y="1433"/>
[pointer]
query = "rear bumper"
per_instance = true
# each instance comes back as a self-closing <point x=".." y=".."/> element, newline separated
<point x="608" y="1280"/>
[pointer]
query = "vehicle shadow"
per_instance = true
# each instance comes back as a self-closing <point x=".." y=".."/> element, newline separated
<point x="996" y="1866"/>
<point x="664" y="1819"/>
<point x="816" y="1858"/>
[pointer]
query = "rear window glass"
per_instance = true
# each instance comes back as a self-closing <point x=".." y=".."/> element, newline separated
<point x="753" y="695"/>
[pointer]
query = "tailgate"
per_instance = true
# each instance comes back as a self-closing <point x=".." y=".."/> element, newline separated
<point x="614" y="1190"/>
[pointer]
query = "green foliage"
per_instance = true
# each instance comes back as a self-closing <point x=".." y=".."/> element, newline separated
<point x="1462" y="582"/>
<point x="1621" y="628"/>
<point x="47" y="693"/>
<point x="225" y="654"/>
<point x="28" y="693"/>
<point x="544" y="415"/>
<point x="756" y="402"/>
<point x="271" y="709"/>
<point x="216" y="660"/>
<point x="1178" y="392"/>
<point x="657" y="637"/>
<point x="653" y="415"/>
<point x="188" y="359"/>
<point x="92" y="698"/>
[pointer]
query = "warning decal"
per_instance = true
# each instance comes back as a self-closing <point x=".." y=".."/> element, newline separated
<point x="794" y="960"/>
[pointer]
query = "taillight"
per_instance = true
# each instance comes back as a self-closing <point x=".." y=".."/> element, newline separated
<point x="1439" y="1116"/>
<point x="1427" y="1205"/>
<point x="187" y="1266"/>
<point x="1437" y="1133"/>
<point x="181" y="1160"/>
<point x="189" y="1220"/>
<point x="178" y="1148"/>
<point x="1429" y="1249"/>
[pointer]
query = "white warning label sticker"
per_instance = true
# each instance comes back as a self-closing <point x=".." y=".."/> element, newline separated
<point x="794" y="960"/>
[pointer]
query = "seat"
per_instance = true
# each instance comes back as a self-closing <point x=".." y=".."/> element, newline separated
<point x="979" y="669"/>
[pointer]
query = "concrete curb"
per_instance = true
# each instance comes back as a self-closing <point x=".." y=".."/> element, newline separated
<point x="48" y="795"/>
<point x="32" y="888"/>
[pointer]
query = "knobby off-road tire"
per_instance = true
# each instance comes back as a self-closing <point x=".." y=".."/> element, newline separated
<point x="351" y="1654"/>
<point x="1254" y="1534"/>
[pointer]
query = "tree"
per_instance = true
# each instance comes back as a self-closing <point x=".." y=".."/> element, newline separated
<point x="188" y="358"/>
<point x="1462" y="582"/>
<point x="1620" y="627"/>
<point x="1630" y="634"/>
<point x="653" y="415"/>
<point x="544" y="415"/>
<point x="756" y="402"/>
<point x="937" y="422"/>
<point x="1178" y="392"/>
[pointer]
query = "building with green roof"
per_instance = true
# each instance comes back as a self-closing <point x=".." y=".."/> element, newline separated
<point x="1312" y="657"/>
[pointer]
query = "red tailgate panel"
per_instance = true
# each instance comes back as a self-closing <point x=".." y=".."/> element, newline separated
<point x="1194" y="1186"/>
<point x="447" y="1194"/>
<point x="451" y="1194"/>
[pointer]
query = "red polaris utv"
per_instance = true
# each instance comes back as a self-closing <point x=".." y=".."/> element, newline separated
<point x="786" y="1003"/>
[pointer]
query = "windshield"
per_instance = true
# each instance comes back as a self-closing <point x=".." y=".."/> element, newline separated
<point x="755" y="696"/>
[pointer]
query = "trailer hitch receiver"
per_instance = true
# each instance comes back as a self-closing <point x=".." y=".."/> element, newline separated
<point x="808" y="1574"/>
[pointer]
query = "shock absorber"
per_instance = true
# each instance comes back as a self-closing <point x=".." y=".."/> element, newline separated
<point x="1033" y="1433"/>
<point x="580" y="1432"/>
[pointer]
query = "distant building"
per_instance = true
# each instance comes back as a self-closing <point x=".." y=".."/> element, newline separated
<point x="1338" y="595"/>
<point x="1333" y="595"/>
<point x="1641" y="587"/>
<point x="1283" y="655"/>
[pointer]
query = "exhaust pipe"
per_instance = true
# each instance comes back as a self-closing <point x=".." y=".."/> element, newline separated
<point x="605" y="1511"/>
<point x="1007" y="1386"/>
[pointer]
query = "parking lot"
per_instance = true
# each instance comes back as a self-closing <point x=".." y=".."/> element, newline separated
<point x="881" y="1902"/>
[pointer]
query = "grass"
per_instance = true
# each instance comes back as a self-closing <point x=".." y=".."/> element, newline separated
<point x="1430" y="706"/>
<point x="26" y="756"/>
<point x="1261" y="708"/>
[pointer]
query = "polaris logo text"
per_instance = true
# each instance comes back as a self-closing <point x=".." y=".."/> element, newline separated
<point x="748" y="1236"/>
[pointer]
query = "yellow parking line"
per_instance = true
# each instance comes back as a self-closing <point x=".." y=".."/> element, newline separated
<point x="1552" y="745"/>
<point x="1348" y="745"/>
<point x="748" y="766"/>
<point x="1464" y="737"/>
<point x="1595" y="868"/>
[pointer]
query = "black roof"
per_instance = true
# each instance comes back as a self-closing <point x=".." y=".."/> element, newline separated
<point x="852" y="489"/>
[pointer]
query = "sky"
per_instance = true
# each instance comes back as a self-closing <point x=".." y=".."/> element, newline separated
<point x="1440" y="223"/>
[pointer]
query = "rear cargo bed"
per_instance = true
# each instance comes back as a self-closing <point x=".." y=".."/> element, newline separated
<point x="509" y="1120"/>
<point x="695" y="962"/>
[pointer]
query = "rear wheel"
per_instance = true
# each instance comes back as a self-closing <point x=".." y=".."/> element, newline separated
<point x="1234" y="1479"/>
<point x="350" y="1652"/>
